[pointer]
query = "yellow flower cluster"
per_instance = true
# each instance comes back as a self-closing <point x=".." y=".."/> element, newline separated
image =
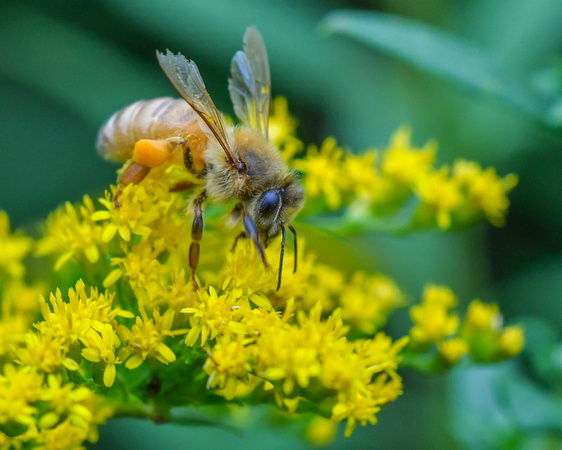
<point x="381" y="182"/>
<point x="235" y="321"/>
<point x="39" y="406"/>
<point x="133" y="336"/>
<point x="481" y="333"/>
<point x="489" y="340"/>
<point x="250" y="346"/>
<point x="71" y="232"/>
<point x="15" y="248"/>
<point x="42" y="411"/>
<point x="19" y="304"/>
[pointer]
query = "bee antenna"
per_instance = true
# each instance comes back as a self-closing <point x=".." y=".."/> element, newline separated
<point x="284" y="234"/>
<point x="294" y="232"/>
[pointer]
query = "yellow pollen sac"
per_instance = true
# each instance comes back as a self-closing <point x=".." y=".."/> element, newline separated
<point x="151" y="153"/>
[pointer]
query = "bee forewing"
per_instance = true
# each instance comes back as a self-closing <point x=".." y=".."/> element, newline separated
<point x="185" y="77"/>
<point x="250" y="85"/>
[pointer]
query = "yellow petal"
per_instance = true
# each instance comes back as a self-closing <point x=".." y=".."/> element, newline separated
<point x="125" y="233"/>
<point x="166" y="353"/>
<point x="92" y="253"/>
<point x="101" y="215"/>
<point x="48" y="420"/>
<point x="134" y="361"/>
<point x="79" y="423"/>
<point x="109" y="375"/>
<point x="113" y="276"/>
<point x="204" y="335"/>
<point x="70" y="364"/>
<point x="262" y="302"/>
<point x="91" y="354"/>
<point x="62" y="260"/>
<point x="108" y="232"/>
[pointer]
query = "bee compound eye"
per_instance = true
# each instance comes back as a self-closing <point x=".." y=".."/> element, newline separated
<point x="269" y="202"/>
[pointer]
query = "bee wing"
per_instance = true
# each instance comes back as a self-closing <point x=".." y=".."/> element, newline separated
<point x="185" y="77"/>
<point x="250" y="85"/>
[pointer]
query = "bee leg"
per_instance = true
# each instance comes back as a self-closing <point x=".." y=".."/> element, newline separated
<point x="284" y="237"/>
<point x="253" y="234"/>
<point x="133" y="173"/>
<point x="183" y="186"/>
<point x="196" y="235"/>
<point x="188" y="158"/>
<point x="294" y="232"/>
<point x="237" y="212"/>
<point x="237" y="238"/>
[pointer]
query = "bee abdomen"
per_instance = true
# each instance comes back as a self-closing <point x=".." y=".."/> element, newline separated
<point x="158" y="118"/>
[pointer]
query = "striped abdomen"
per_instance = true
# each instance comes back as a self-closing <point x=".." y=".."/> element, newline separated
<point x="159" y="118"/>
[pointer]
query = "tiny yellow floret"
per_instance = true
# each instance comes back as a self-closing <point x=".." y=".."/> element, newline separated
<point x="481" y="316"/>
<point x="511" y="340"/>
<point x="321" y="431"/>
<point x="453" y="350"/>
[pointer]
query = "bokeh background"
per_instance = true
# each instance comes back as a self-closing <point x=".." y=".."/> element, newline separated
<point x="66" y="66"/>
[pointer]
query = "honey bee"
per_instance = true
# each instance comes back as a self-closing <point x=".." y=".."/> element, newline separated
<point x="234" y="162"/>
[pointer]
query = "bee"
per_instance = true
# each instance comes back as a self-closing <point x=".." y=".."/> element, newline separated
<point x="234" y="162"/>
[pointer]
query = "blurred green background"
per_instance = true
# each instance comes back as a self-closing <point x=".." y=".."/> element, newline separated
<point x="66" y="66"/>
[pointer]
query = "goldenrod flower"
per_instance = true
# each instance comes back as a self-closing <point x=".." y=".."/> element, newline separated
<point x="360" y="408"/>
<point x="440" y="296"/>
<point x="488" y="341"/>
<point x="486" y="191"/>
<point x="180" y="293"/>
<point x="227" y="365"/>
<point x="439" y="195"/>
<point x="282" y="128"/>
<point x="322" y="170"/>
<point x="432" y="323"/>
<point x="146" y="338"/>
<point x="100" y="346"/>
<point x="44" y="352"/>
<point x="19" y="307"/>
<point x="453" y="350"/>
<point x="215" y="315"/>
<point x="20" y="389"/>
<point x="320" y="431"/>
<point x="70" y="321"/>
<point x="362" y="178"/>
<point x="71" y="232"/>
<point x="20" y="300"/>
<point x="314" y="345"/>
<point x="12" y="331"/>
<point x="368" y="301"/>
<point x="243" y="270"/>
<point x="511" y="340"/>
<point x="14" y="248"/>
<point x="288" y="356"/>
<point x="432" y="319"/>
<point x="142" y="270"/>
<point x="387" y="386"/>
<point x="481" y="316"/>
<point x="404" y="163"/>
<point x="65" y="401"/>
<point x="137" y="210"/>
<point x="61" y="437"/>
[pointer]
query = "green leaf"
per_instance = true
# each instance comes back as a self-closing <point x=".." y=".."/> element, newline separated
<point x="496" y="405"/>
<point x="531" y="406"/>
<point x="448" y="57"/>
<point x="543" y="347"/>
<point x="193" y="417"/>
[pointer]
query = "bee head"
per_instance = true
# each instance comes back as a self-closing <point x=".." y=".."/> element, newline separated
<point x="277" y="206"/>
